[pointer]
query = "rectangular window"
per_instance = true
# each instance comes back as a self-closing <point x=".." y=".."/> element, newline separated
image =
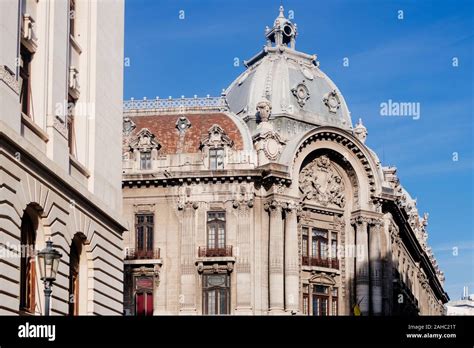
<point x="319" y="244"/>
<point x="305" y="241"/>
<point x="305" y="299"/>
<point x="216" y="159"/>
<point x="320" y="300"/>
<point x="334" y="310"/>
<point x="216" y="236"/>
<point x="144" y="226"/>
<point x="216" y="294"/>
<point x="334" y="246"/>
<point x="145" y="160"/>
<point x="71" y="135"/>
<point x="25" y="80"/>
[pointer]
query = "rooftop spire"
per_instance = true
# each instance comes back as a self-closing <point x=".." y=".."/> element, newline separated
<point x="283" y="32"/>
<point x="282" y="12"/>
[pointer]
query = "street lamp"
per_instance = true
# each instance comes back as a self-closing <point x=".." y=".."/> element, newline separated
<point x="48" y="261"/>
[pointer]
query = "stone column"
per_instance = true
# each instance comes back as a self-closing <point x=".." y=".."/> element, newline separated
<point x="276" y="259"/>
<point x="362" y="265"/>
<point x="262" y="248"/>
<point x="187" y="296"/>
<point x="291" y="260"/>
<point x="375" y="267"/>
<point x="242" y="254"/>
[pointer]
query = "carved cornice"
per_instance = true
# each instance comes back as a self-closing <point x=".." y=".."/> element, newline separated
<point x="188" y="205"/>
<point x="215" y="267"/>
<point x="292" y="207"/>
<point x="368" y="217"/>
<point x="274" y="206"/>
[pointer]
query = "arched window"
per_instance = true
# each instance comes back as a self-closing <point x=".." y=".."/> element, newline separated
<point x="77" y="277"/>
<point x="27" y="265"/>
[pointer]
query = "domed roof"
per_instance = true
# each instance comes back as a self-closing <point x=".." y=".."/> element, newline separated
<point x="290" y="80"/>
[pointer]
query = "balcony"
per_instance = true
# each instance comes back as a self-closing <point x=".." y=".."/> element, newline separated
<point x="316" y="261"/>
<point x="215" y="252"/>
<point x="136" y="254"/>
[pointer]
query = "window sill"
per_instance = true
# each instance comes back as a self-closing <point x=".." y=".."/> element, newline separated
<point x="321" y="269"/>
<point x="28" y="122"/>
<point x="79" y="166"/>
<point x="144" y="262"/>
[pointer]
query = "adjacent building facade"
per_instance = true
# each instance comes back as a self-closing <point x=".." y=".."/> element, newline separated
<point x="464" y="306"/>
<point x="61" y="76"/>
<point x="266" y="200"/>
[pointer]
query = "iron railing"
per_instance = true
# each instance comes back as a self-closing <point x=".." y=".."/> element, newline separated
<point x="215" y="252"/>
<point x="175" y="103"/>
<point x="316" y="261"/>
<point x="139" y="254"/>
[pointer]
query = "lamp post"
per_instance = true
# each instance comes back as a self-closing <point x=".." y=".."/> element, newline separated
<point x="48" y="261"/>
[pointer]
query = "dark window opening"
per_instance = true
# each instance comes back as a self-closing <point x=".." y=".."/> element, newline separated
<point x="71" y="132"/>
<point x="216" y="294"/>
<point x="27" y="265"/>
<point x="25" y="80"/>
<point x="144" y="235"/>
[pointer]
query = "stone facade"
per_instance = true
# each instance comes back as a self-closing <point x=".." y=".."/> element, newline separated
<point x="267" y="201"/>
<point x="64" y="61"/>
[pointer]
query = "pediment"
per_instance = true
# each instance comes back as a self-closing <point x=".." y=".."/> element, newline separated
<point x="145" y="141"/>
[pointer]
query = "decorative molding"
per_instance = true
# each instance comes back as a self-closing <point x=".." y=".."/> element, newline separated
<point x="144" y="207"/>
<point x="301" y="93"/>
<point x="28" y="35"/>
<point x="319" y="181"/>
<point x="144" y="141"/>
<point x="8" y="76"/>
<point x="270" y="143"/>
<point x="183" y="124"/>
<point x="216" y="137"/>
<point x="350" y="146"/>
<point x="74" y="88"/>
<point x="322" y="278"/>
<point x="128" y="126"/>
<point x="215" y="267"/>
<point x="332" y="101"/>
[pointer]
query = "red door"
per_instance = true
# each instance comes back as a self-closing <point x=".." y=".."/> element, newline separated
<point x="144" y="303"/>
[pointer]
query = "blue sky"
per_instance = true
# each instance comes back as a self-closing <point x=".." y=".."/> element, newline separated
<point x="408" y="60"/>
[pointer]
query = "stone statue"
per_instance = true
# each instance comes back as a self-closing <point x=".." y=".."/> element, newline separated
<point x="264" y="109"/>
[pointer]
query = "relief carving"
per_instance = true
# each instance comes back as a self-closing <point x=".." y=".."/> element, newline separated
<point x="319" y="181"/>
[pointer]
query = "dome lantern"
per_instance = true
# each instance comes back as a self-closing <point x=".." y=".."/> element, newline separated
<point x="283" y="32"/>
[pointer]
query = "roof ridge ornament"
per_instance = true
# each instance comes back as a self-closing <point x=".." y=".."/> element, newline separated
<point x="283" y="32"/>
<point x="360" y="131"/>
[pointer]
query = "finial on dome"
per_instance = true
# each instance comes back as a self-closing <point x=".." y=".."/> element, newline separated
<point x="360" y="131"/>
<point x="282" y="12"/>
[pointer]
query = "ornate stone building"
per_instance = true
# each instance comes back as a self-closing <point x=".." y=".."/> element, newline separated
<point x="266" y="200"/>
<point x="61" y="69"/>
